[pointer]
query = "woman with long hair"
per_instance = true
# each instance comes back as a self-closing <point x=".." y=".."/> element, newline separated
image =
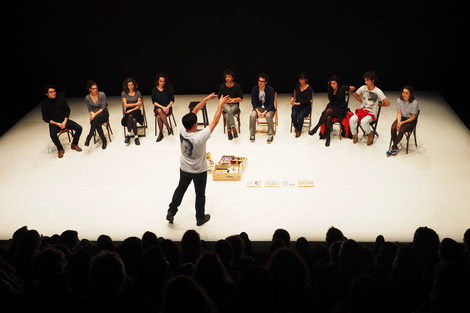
<point x="337" y="107"/>
<point x="163" y="99"/>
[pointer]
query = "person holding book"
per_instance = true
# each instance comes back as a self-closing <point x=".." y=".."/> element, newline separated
<point x="407" y="117"/>
<point x="370" y="98"/>
<point x="234" y="90"/>
<point x="193" y="160"/>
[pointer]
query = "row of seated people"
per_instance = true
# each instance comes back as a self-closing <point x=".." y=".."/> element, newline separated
<point x="56" y="112"/>
<point x="63" y="273"/>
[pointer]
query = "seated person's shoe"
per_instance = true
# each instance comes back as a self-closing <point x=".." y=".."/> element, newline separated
<point x="160" y="137"/>
<point x="128" y="138"/>
<point x="270" y="139"/>
<point x="370" y="138"/>
<point x="207" y="217"/>
<point x="76" y="148"/>
<point x="252" y="138"/>
<point x="137" y="141"/>
<point x="313" y="131"/>
<point x="87" y="141"/>
<point x="235" y="134"/>
<point x="392" y="151"/>
<point x="229" y="133"/>
<point x="103" y="146"/>
<point x="355" y="138"/>
<point x="61" y="154"/>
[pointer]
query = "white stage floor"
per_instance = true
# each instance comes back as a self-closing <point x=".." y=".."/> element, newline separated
<point x="125" y="190"/>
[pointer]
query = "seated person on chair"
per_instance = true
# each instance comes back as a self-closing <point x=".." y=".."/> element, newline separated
<point x="262" y="100"/>
<point x="55" y="111"/>
<point x="163" y="99"/>
<point x="132" y="101"/>
<point x="98" y="109"/>
<point x="234" y="90"/>
<point x="336" y="108"/>
<point x="407" y="114"/>
<point x="301" y="103"/>
<point x="370" y="98"/>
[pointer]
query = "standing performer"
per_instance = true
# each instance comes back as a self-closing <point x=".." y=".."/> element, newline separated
<point x="193" y="162"/>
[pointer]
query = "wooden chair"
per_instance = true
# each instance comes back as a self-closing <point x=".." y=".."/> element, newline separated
<point x="139" y="126"/>
<point x="263" y="122"/>
<point x="307" y="119"/>
<point x="237" y="116"/>
<point x="70" y="133"/>
<point x="108" y="129"/>
<point x="408" y="135"/>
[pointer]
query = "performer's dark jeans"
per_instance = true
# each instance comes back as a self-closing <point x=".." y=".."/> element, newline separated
<point x="54" y="130"/>
<point x="200" y="181"/>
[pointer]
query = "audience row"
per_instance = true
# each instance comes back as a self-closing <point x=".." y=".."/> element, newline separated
<point x="151" y="274"/>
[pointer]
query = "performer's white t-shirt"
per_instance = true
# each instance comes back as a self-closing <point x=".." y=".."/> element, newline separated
<point x="193" y="150"/>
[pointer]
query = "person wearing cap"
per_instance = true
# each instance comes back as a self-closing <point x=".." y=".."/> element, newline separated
<point x="55" y="111"/>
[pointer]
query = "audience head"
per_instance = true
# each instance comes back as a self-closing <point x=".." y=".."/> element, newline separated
<point x="183" y="294"/>
<point x="333" y="234"/>
<point x="449" y="250"/>
<point x="49" y="267"/>
<point x="69" y="238"/>
<point x="426" y="242"/>
<point x="107" y="273"/>
<point x="149" y="239"/>
<point x="105" y="242"/>
<point x="283" y="235"/>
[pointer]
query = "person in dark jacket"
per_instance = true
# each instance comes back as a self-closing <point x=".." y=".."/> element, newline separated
<point x="55" y="111"/>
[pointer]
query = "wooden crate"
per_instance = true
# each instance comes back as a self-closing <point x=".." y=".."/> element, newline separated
<point x="229" y="168"/>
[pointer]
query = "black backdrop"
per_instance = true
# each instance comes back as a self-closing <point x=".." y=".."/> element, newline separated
<point x="67" y="43"/>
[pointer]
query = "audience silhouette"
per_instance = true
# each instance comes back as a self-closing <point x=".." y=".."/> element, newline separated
<point x="158" y="275"/>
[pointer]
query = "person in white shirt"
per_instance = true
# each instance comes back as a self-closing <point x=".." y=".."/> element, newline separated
<point x="370" y="98"/>
<point x="193" y="162"/>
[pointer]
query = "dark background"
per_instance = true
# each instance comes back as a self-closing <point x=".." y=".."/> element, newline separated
<point x="67" y="43"/>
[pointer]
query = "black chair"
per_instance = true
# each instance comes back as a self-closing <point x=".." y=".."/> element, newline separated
<point x="205" y="118"/>
<point x="142" y="126"/>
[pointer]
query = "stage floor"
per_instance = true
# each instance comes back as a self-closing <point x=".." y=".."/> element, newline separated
<point x="125" y="190"/>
